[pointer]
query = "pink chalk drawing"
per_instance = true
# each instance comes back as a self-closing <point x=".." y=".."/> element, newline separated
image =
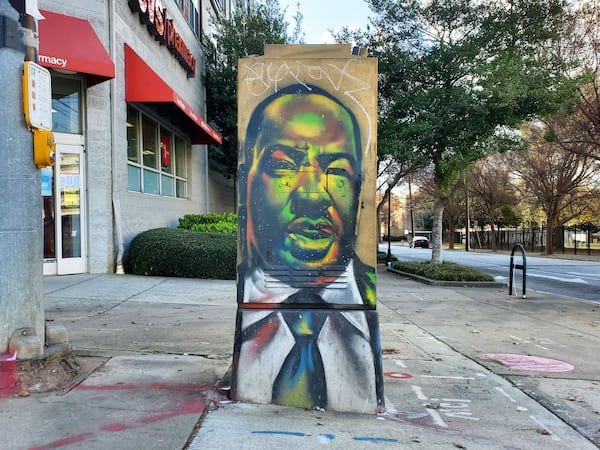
<point x="531" y="363"/>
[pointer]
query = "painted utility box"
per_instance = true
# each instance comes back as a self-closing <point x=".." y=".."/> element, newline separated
<point x="307" y="331"/>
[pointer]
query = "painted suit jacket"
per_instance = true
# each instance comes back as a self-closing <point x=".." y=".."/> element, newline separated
<point x="348" y="343"/>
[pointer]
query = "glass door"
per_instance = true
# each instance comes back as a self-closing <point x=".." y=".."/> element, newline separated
<point x="64" y="212"/>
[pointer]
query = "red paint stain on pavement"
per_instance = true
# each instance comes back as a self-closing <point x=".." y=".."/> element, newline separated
<point x="153" y="387"/>
<point x="397" y="375"/>
<point x="115" y="427"/>
<point x="197" y="407"/>
<point x="188" y="408"/>
<point x="64" y="441"/>
<point x="9" y="385"/>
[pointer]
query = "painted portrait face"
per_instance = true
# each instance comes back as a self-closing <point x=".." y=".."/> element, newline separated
<point x="303" y="183"/>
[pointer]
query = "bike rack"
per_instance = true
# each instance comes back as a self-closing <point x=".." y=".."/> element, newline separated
<point x="514" y="266"/>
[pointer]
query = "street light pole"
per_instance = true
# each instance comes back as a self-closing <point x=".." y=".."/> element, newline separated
<point x="410" y="209"/>
<point x="388" y="260"/>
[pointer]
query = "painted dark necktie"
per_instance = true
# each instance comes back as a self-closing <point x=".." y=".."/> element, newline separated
<point x="301" y="379"/>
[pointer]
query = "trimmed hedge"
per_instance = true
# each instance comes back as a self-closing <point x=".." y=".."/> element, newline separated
<point x="446" y="271"/>
<point x="174" y="252"/>
<point x="210" y="223"/>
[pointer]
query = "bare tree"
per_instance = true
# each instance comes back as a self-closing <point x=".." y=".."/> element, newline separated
<point x="454" y="201"/>
<point x="454" y="211"/>
<point x="490" y="188"/>
<point x="389" y="169"/>
<point x="558" y="181"/>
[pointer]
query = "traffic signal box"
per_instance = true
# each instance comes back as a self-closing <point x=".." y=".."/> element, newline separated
<point x="307" y="331"/>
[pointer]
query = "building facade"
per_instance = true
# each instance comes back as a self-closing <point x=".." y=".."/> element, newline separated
<point x="128" y="115"/>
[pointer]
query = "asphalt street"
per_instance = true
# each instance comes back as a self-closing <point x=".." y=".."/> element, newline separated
<point x="574" y="277"/>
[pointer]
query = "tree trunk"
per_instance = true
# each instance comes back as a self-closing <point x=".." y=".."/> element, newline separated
<point x="436" y="238"/>
<point x="451" y="231"/>
<point x="549" y="235"/>
<point x="493" y="236"/>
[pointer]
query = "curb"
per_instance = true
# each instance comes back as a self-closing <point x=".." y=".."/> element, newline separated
<point x="443" y="283"/>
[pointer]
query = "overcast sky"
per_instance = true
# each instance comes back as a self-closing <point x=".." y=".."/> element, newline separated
<point x="319" y="15"/>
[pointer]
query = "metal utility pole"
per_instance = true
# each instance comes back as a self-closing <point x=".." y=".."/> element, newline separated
<point x="411" y="210"/>
<point x="20" y="200"/>
<point x="388" y="260"/>
<point x="468" y="232"/>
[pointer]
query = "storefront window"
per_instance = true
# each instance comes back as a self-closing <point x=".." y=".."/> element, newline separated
<point x="151" y="182"/>
<point x="133" y="151"/>
<point x="162" y="168"/>
<point x="66" y="105"/>
<point x="150" y="142"/>
<point x="134" y="178"/>
<point x="167" y="186"/>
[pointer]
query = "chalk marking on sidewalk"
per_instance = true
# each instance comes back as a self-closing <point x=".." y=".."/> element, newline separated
<point x="503" y="392"/>
<point x="375" y="439"/>
<point x="325" y="438"/>
<point x="437" y="419"/>
<point x="419" y="392"/>
<point x="552" y="435"/>
<point x="389" y="406"/>
<point x="281" y="433"/>
<point x="445" y="377"/>
<point x="455" y="407"/>
<point x="400" y="363"/>
<point x="460" y="415"/>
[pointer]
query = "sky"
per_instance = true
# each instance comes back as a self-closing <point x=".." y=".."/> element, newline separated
<point x="319" y="15"/>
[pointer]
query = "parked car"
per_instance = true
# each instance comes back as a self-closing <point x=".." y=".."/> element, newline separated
<point x="419" y="241"/>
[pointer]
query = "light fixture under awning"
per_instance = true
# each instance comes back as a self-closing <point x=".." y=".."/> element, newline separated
<point x="143" y="85"/>
<point x="71" y="44"/>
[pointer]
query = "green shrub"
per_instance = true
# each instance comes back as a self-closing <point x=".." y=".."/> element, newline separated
<point x="210" y="223"/>
<point x="445" y="272"/>
<point x="382" y="257"/>
<point x="175" y="252"/>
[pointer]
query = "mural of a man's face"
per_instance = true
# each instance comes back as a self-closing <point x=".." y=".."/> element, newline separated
<point x="303" y="183"/>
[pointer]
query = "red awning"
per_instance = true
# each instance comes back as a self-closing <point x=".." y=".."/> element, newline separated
<point x="143" y="85"/>
<point x="69" y="43"/>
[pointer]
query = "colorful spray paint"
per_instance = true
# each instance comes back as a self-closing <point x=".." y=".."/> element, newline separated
<point x="307" y="331"/>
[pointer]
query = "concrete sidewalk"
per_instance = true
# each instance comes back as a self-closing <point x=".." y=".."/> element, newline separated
<point x="155" y="351"/>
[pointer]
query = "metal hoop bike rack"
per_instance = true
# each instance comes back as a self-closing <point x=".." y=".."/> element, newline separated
<point x="522" y="267"/>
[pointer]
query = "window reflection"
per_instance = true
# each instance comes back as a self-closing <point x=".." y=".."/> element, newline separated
<point x="157" y="158"/>
<point x="66" y="105"/>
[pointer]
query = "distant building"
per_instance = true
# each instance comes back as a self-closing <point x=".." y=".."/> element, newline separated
<point x="398" y="219"/>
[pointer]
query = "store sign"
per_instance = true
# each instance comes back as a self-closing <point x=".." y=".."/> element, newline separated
<point x="154" y="16"/>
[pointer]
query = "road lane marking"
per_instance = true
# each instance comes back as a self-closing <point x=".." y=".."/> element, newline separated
<point x="566" y="280"/>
